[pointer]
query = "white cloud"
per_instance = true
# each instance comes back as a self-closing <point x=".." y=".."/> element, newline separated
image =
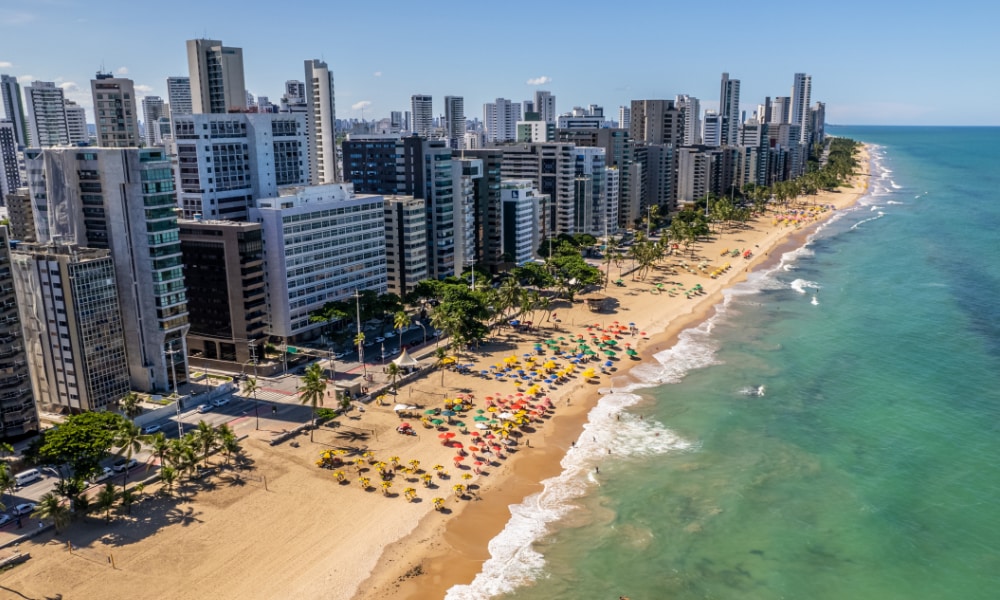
<point x="4" y="64"/>
<point x="362" y="105"/>
<point x="25" y="78"/>
<point x="539" y="80"/>
<point x="69" y="86"/>
<point x="377" y="73"/>
<point x="143" y="88"/>
<point x="121" y="71"/>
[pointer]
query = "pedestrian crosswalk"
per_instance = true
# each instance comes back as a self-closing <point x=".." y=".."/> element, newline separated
<point x="266" y="395"/>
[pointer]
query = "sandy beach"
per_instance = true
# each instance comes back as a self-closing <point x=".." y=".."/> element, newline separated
<point x="288" y="529"/>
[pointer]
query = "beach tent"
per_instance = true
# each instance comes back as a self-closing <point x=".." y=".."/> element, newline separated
<point x="405" y="361"/>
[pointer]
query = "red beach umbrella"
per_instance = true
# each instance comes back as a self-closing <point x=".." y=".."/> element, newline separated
<point x="458" y="458"/>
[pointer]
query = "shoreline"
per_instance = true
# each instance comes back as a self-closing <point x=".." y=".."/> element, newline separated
<point x="434" y="558"/>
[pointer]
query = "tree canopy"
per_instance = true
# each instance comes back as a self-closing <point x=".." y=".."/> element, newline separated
<point x="81" y="441"/>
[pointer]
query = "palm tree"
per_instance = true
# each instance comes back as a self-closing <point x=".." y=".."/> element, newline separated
<point x="168" y="475"/>
<point x="128" y="498"/>
<point x="230" y="444"/>
<point x="312" y="391"/>
<point x="394" y="373"/>
<point x="161" y="447"/>
<point x="7" y="483"/>
<point x="51" y="507"/>
<point x="359" y="341"/>
<point x="129" y="440"/>
<point x="399" y="321"/>
<point x="250" y="386"/>
<point x="106" y="499"/>
<point x="205" y="438"/>
<point x="440" y="354"/>
<point x="130" y="405"/>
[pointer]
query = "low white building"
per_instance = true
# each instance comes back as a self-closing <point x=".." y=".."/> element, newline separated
<point x="321" y="243"/>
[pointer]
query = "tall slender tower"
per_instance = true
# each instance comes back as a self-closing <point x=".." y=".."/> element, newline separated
<point x="152" y="109"/>
<point x="454" y="119"/>
<point x="46" y="114"/>
<point x="115" y="111"/>
<point x="545" y="105"/>
<point x="179" y="95"/>
<point x="729" y="110"/>
<point x="423" y="114"/>
<point x="801" y="90"/>
<point x="10" y="174"/>
<point x="321" y="120"/>
<point x="13" y="107"/>
<point x="217" y="84"/>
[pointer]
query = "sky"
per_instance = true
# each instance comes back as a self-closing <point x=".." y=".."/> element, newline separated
<point x="872" y="62"/>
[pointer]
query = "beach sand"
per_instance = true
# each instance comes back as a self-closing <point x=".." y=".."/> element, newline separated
<point x="289" y="530"/>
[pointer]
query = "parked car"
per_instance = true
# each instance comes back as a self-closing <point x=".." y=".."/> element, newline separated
<point x="102" y="475"/>
<point x="24" y="509"/>
<point x="221" y="401"/>
<point x="151" y="429"/>
<point x="390" y="334"/>
<point x="341" y="355"/>
<point x="379" y="340"/>
<point x="4" y="519"/>
<point x="121" y="465"/>
<point x="204" y="408"/>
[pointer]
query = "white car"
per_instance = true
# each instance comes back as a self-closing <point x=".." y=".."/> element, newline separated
<point x="379" y="340"/>
<point x="151" y="429"/>
<point x="121" y="465"/>
<point x="204" y="408"/>
<point x="391" y="334"/>
<point x="102" y="475"/>
<point x="23" y="509"/>
<point x="224" y="400"/>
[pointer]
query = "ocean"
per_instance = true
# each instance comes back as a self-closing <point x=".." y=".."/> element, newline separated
<point x="832" y="432"/>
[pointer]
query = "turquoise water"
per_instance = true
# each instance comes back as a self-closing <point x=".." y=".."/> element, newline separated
<point x="868" y="467"/>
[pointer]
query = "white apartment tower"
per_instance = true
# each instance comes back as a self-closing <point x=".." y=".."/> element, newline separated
<point x="624" y="117"/>
<point x="321" y="121"/>
<point x="500" y="119"/>
<point x="422" y="109"/>
<point x="76" y="122"/>
<point x="801" y="90"/>
<point x="729" y="110"/>
<point x="454" y="120"/>
<point x="216" y="74"/>
<point x="545" y="106"/>
<point x="691" y="109"/>
<point x="152" y="109"/>
<point x="46" y="114"/>
<point x="115" y="111"/>
<point x="179" y="95"/>
<point x="13" y="107"/>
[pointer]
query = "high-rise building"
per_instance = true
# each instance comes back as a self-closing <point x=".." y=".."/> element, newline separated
<point x="545" y="105"/>
<point x="817" y="123"/>
<point x="336" y="246"/>
<point x="487" y="207"/>
<point x="76" y="123"/>
<point x="46" y="114"/>
<point x="500" y="120"/>
<point x="454" y="121"/>
<point x="465" y="173"/>
<point x="422" y="111"/>
<point x="321" y="121"/>
<point x="690" y="108"/>
<point x="122" y="200"/>
<point x="179" y="95"/>
<point x="729" y="110"/>
<point x="405" y="243"/>
<point x="781" y="110"/>
<point x="801" y="91"/>
<point x="22" y="217"/>
<point x="590" y="191"/>
<point x="18" y="413"/>
<point x="624" y="117"/>
<point x="224" y="273"/>
<point x="656" y="122"/>
<point x="711" y="133"/>
<point x="552" y="167"/>
<point x="72" y="326"/>
<point x="10" y="172"/>
<point x="152" y="109"/>
<point x="522" y="205"/>
<point x="582" y="118"/>
<point x="115" y="111"/>
<point x="224" y="162"/>
<point x="618" y="155"/>
<point x="13" y="108"/>
<point x="216" y="73"/>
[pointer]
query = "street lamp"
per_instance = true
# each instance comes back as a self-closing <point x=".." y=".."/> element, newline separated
<point x="177" y="397"/>
<point x="425" y="331"/>
<point x="256" y="404"/>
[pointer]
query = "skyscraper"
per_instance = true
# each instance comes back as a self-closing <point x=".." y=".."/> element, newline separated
<point x="729" y="110"/>
<point x="423" y="114"/>
<point x="123" y="200"/>
<point x="545" y="105"/>
<point x="500" y="119"/>
<point x="690" y="107"/>
<point x="18" y="414"/>
<point x="152" y="109"/>
<point x="656" y="122"/>
<point x="115" y="111"/>
<point x="624" y="117"/>
<point x="454" y="121"/>
<point x="10" y="174"/>
<point x="179" y="95"/>
<point x="321" y="120"/>
<point x="76" y="122"/>
<point x="216" y="72"/>
<point x="46" y="114"/>
<point x="781" y="110"/>
<point x="13" y="107"/>
<point x="801" y="90"/>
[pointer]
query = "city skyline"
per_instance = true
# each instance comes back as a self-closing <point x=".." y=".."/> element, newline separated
<point x="374" y="78"/>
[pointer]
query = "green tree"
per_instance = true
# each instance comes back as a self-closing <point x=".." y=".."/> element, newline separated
<point x="51" y="507"/>
<point x="394" y="373"/>
<point x="229" y="442"/>
<point x="128" y="438"/>
<point x="250" y="386"/>
<point x="205" y="439"/>
<point x="400" y="321"/>
<point x="131" y="405"/>
<point x="312" y="391"/>
<point x="440" y="354"/>
<point x="7" y="483"/>
<point x="106" y="499"/>
<point x="168" y="475"/>
<point x="81" y="441"/>
<point x="127" y="498"/>
<point x="160" y="446"/>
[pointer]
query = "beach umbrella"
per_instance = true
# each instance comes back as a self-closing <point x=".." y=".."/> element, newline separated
<point x="445" y="435"/>
<point x="631" y="352"/>
<point x="460" y="424"/>
<point x="473" y="449"/>
<point x="437" y="421"/>
<point x="431" y="411"/>
<point x="480" y="419"/>
<point x="458" y="458"/>
<point x="448" y="413"/>
<point x="609" y="364"/>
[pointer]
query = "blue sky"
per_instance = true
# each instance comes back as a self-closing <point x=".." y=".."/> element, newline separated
<point x="891" y="63"/>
